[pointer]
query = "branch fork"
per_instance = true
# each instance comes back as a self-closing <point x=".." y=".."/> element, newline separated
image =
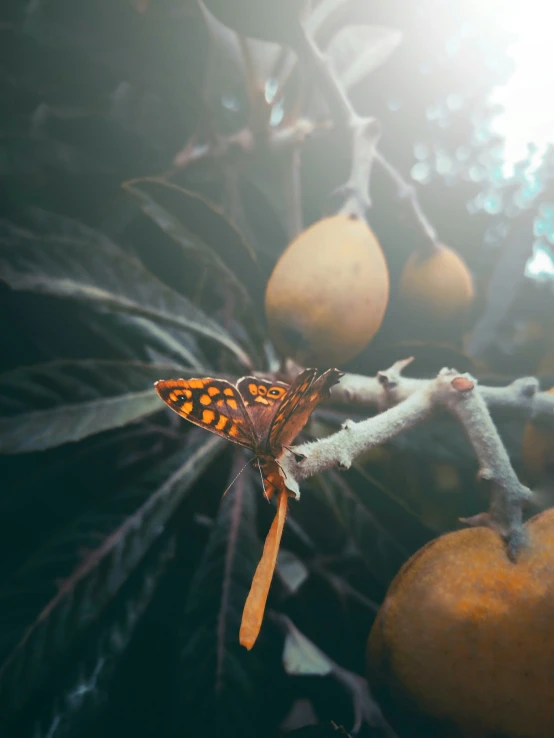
<point x="460" y="395"/>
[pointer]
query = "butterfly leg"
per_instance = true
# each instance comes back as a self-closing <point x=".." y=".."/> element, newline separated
<point x="298" y="457"/>
<point x="269" y="488"/>
<point x="272" y="478"/>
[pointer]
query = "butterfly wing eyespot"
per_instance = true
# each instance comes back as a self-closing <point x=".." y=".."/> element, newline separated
<point x="261" y="399"/>
<point x="213" y="404"/>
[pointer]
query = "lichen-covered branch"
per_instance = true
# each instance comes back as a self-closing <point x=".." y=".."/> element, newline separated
<point x="455" y="392"/>
<point x="389" y="388"/>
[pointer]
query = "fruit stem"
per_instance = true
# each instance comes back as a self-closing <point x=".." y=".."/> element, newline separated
<point x="407" y="193"/>
<point x="364" y="131"/>
<point x="358" y="127"/>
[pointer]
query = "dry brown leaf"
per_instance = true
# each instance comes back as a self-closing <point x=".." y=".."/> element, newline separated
<point x="254" y="607"/>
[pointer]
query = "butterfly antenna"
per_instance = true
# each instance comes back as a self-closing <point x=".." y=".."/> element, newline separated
<point x="237" y="476"/>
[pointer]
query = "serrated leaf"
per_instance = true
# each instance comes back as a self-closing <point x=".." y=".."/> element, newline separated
<point x="73" y="261"/>
<point x="128" y="528"/>
<point x="220" y="675"/>
<point x="58" y="402"/>
<point x="380" y="552"/>
<point x="182" y="215"/>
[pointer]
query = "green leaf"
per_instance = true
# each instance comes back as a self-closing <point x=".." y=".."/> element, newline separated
<point x="45" y="405"/>
<point x="127" y="528"/>
<point x="73" y="261"/>
<point x="220" y="675"/>
<point x="171" y="207"/>
<point x="380" y="552"/>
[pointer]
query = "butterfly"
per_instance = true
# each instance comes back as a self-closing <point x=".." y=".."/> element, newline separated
<point x="262" y="416"/>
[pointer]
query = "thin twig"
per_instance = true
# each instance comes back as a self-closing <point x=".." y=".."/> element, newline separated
<point x="358" y="127"/>
<point x="293" y="193"/>
<point x="407" y="192"/>
<point x="278" y="139"/>
<point x="389" y="388"/>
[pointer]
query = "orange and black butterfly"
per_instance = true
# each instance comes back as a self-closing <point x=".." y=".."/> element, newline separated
<point x="262" y="416"/>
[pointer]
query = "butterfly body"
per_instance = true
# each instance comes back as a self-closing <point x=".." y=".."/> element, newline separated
<point x="262" y="416"/>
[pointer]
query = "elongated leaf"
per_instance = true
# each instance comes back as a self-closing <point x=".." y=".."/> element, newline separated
<point x="45" y="405"/>
<point x="173" y="208"/>
<point x="127" y="531"/>
<point x="219" y="675"/>
<point x="91" y="268"/>
<point x="160" y="344"/>
<point x="69" y="704"/>
<point x="381" y="553"/>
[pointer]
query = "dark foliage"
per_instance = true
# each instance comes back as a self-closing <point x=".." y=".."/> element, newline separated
<point x="123" y="573"/>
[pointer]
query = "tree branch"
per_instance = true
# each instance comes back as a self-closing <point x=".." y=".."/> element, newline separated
<point x="389" y="388"/>
<point x="364" y="132"/>
<point x="457" y="393"/>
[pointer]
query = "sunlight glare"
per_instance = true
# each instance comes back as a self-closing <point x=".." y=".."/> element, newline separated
<point x="526" y="117"/>
<point x="541" y="264"/>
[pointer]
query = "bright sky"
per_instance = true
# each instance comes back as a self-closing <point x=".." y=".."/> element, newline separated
<point x="527" y="98"/>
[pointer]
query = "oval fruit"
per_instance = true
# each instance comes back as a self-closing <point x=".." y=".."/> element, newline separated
<point x="436" y="288"/>
<point x="464" y="639"/>
<point x="328" y="293"/>
<point x="537" y="450"/>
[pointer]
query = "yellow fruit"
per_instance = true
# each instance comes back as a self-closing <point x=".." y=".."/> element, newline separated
<point x="328" y="293"/>
<point x="268" y="20"/>
<point x="538" y="451"/>
<point x="436" y="288"/>
<point x="464" y="639"/>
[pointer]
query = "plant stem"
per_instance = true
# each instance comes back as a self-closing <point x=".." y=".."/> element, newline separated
<point x="364" y="132"/>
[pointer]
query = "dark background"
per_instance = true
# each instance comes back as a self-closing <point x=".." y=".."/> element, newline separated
<point x="99" y="93"/>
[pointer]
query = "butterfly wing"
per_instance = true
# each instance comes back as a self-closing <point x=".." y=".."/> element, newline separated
<point x="213" y="404"/>
<point x="262" y="399"/>
<point x="301" y="399"/>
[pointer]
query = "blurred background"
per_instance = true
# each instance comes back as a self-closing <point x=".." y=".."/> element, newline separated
<point x="139" y="227"/>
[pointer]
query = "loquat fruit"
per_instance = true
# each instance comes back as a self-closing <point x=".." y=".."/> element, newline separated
<point x="328" y="293"/>
<point x="436" y="289"/>
<point x="464" y="638"/>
